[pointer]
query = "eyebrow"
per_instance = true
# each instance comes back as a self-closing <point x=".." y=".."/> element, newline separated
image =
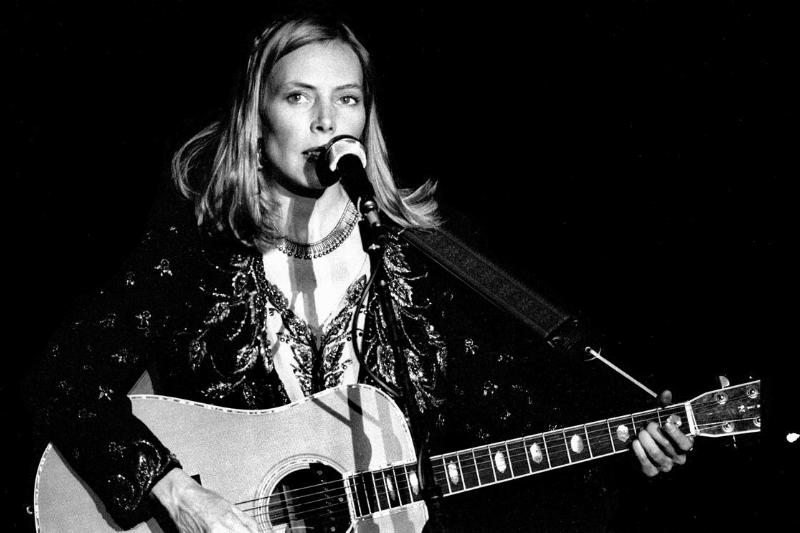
<point x="309" y="86"/>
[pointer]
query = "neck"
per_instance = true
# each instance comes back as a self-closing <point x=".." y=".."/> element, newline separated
<point x="305" y="219"/>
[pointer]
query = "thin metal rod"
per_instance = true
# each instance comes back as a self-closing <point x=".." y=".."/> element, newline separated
<point x="596" y="355"/>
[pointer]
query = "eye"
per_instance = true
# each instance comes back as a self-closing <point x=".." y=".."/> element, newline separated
<point x="296" y="98"/>
<point x="350" y="99"/>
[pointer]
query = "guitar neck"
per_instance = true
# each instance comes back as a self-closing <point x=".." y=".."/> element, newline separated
<point x="490" y="464"/>
<point x="724" y="412"/>
<point x="482" y="466"/>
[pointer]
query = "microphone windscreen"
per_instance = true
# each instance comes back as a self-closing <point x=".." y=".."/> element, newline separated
<point x="328" y="161"/>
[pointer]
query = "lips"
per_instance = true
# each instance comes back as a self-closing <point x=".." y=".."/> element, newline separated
<point x="314" y="153"/>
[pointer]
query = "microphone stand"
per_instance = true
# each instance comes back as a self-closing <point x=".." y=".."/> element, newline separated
<point x="344" y="159"/>
<point x="374" y="239"/>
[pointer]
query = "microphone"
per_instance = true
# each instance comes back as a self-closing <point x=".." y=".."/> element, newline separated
<point x="343" y="154"/>
<point x="344" y="159"/>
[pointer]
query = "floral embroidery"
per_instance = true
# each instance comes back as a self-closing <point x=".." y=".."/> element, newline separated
<point x="306" y="347"/>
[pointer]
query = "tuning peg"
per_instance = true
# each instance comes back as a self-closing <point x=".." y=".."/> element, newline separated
<point x="725" y="382"/>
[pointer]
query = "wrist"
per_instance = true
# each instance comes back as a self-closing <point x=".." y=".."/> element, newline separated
<point x="167" y="489"/>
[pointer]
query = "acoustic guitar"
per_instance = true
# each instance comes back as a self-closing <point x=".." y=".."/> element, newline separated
<point x="343" y="459"/>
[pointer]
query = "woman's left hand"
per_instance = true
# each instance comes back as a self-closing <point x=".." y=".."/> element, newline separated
<point x="658" y="449"/>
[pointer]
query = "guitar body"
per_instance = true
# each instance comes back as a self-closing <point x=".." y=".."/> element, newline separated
<point x="256" y="456"/>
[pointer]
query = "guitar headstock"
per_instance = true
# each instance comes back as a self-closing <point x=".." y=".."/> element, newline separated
<point x="728" y="411"/>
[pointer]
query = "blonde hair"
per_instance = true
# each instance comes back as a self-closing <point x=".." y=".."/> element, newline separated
<point x="218" y="168"/>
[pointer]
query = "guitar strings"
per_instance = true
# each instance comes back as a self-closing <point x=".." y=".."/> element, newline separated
<point x="594" y="435"/>
<point x="295" y="511"/>
<point x="516" y="461"/>
<point x="328" y="484"/>
<point x="722" y="423"/>
<point x="302" y="510"/>
<point x="438" y="469"/>
<point x="341" y="486"/>
<point x="377" y="501"/>
<point x="298" y="503"/>
<point x="552" y="446"/>
<point x="309" y="514"/>
<point x="555" y="447"/>
<point x="298" y="500"/>
<point x="298" y="510"/>
<point x="334" y="484"/>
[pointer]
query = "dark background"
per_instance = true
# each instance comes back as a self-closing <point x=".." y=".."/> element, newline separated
<point x="626" y="157"/>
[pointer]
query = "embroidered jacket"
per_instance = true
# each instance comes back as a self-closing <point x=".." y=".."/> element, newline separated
<point x="195" y="311"/>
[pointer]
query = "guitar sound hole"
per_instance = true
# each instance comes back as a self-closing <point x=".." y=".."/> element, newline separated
<point x="310" y="499"/>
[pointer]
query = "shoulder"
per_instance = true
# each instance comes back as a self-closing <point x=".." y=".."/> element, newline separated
<point x="402" y="256"/>
<point x="173" y="230"/>
<point x="412" y="272"/>
<point x="172" y="218"/>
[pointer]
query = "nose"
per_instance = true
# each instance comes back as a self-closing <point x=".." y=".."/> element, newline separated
<point x="324" y="120"/>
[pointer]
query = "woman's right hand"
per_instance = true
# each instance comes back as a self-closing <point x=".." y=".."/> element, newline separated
<point x="195" y="509"/>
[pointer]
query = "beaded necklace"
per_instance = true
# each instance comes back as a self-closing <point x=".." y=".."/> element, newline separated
<point x="327" y="244"/>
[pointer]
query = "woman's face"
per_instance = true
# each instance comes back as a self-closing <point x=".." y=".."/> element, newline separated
<point x="313" y="94"/>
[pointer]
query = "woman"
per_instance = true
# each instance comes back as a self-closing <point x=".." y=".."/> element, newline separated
<point x="248" y="302"/>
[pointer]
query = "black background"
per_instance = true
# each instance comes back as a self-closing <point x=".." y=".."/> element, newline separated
<point x="628" y="157"/>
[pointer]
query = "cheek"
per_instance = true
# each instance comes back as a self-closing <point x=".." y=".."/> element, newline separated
<point x="359" y="120"/>
<point x="272" y="149"/>
<point x="282" y="133"/>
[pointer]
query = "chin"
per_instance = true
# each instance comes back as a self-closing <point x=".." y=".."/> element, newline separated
<point x="311" y="184"/>
<point x="309" y="180"/>
<point x="306" y="186"/>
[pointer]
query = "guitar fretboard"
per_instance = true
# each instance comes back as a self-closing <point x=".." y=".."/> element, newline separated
<point x="380" y="490"/>
<point x="503" y="461"/>
<point x="472" y="468"/>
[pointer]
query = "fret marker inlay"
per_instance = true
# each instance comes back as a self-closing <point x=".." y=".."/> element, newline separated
<point x="412" y="479"/>
<point x="536" y="453"/>
<point x="623" y="433"/>
<point x="500" y="462"/>
<point x="390" y="487"/>
<point x="452" y="471"/>
<point x="576" y="444"/>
